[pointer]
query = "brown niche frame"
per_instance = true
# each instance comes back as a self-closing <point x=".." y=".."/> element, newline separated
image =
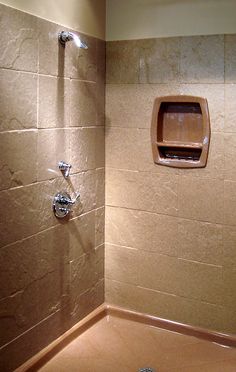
<point x="185" y="147"/>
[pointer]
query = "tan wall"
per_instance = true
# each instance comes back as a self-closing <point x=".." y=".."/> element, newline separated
<point x="171" y="233"/>
<point x="51" y="273"/>
<point x="81" y="15"/>
<point x="160" y="18"/>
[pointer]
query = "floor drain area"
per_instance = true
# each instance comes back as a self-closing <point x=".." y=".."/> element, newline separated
<point x="146" y="369"/>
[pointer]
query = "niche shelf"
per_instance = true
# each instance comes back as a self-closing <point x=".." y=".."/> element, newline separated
<point x="180" y="131"/>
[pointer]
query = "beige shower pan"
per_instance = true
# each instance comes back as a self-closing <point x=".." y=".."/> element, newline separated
<point x="112" y="339"/>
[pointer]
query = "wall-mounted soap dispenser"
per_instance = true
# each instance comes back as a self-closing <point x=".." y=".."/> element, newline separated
<point x="180" y="131"/>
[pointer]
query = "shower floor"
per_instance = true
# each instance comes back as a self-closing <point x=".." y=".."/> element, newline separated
<point x="115" y="344"/>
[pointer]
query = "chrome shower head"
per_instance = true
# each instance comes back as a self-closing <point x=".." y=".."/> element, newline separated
<point x="65" y="36"/>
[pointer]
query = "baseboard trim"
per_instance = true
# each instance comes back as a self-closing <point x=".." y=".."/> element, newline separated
<point x="104" y="310"/>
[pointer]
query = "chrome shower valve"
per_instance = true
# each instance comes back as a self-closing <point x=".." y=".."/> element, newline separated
<point x="62" y="204"/>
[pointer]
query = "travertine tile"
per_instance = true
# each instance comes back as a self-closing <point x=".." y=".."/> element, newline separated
<point x="163" y="305"/>
<point x="18" y="106"/>
<point x="200" y="199"/>
<point x="16" y="150"/>
<point x="121" y="264"/>
<point x="82" y="104"/>
<point x="214" y="93"/>
<point x="159" y="60"/>
<point x="81" y="63"/>
<point x="100" y="187"/>
<point x="229" y="243"/>
<point x="142" y="230"/>
<point x="122" y="62"/>
<point x="99" y="226"/>
<point x="202" y="59"/>
<point x="101" y="75"/>
<point x="52" y="147"/>
<point x="229" y="203"/>
<point x="51" y="52"/>
<point x="228" y="292"/>
<point x="230" y="108"/>
<point x="230" y="58"/>
<point x="131" y="105"/>
<point x="200" y="241"/>
<point x="149" y="192"/>
<point x="229" y="156"/>
<point x="87" y="149"/>
<point x="81" y="235"/>
<point x="19" y="46"/>
<point x="86" y="272"/>
<point x="180" y="277"/>
<point x="54" y="102"/>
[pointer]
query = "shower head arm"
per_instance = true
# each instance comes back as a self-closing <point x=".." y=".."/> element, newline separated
<point x="65" y="36"/>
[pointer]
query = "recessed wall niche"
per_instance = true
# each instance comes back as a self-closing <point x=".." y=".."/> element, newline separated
<point x="180" y="131"/>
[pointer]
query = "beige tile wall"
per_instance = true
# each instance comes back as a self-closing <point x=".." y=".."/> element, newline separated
<point x="51" y="109"/>
<point x="170" y="233"/>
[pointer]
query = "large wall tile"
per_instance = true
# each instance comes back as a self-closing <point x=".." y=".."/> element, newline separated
<point x="142" y="230"/>
<point x="202" y="59"/>
<point x="122" y="62"/>
<point x="18" y="100"/>
<point x="83" y="104"/>
<point x="230" y="108"/>
<point x="19" y="46"/>
<point x="140" y="190"/>
<point x="229" y="210"/>
<point x="230" y="58"/>
<point x="200" y="241"/>
<point x="230" y="153"/>
<point x="214" y="93"/>
<point x="121" y="264"/>
<point x="99" y="226"/>
<point x="52" y="147"/>
<point x="159" y="60"/>
<point x="200" y="199"/>
<point x="229" y="243"/>
<point x="16" y="150"/>
<point x="54" y="102"/>
<point x="131" y="105"/>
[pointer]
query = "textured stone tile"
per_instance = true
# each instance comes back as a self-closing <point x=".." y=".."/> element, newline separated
<point x="86" y="271"/>
<point x="214" y="93"/>
<point x="230" y="108"/>
<point x="52" y="147"/>
<point x="229" y="243"/>
<point x="99" y="226"/>
<point x="16" y="150"/>
<point x="159" y="60"/>
<point x="122" y="59"/>
<point x="81" y="63"/>
<point x="164" y="305"/>
<point x="142" y="230"/>
<point x="121" y="264"/>
<point x="131" y="105"/>
<point x="54" y="102"/>
<point x="81" y="233"/>
<point x="82" y="104"/>
<point x="200" y="241"/>
<point x="229" y="152"/>
<point x="100" y="187"/>
<point x="101" y="75"/>
<point x="87" y="149"/>
<point x="18" y="107"/>
<point x="51" y="53"/>
<point x="202" y="59"/>
<point x="228" y="293"/>
<point x="149" y="192"/>
<point x="215" y="167"/>
<point x="19" y="46"/>
<point x="180" y="277"/>
<point x="200" y="199"/>
<point x="230" y="58"/>
<point x="229" y="210"/>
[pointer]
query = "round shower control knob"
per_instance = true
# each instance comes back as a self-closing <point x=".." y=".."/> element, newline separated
<point x="62" y="204"/>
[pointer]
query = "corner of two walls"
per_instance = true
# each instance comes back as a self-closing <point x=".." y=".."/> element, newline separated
<point x="171" y="233"/>
<point x="52" y="109"/>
